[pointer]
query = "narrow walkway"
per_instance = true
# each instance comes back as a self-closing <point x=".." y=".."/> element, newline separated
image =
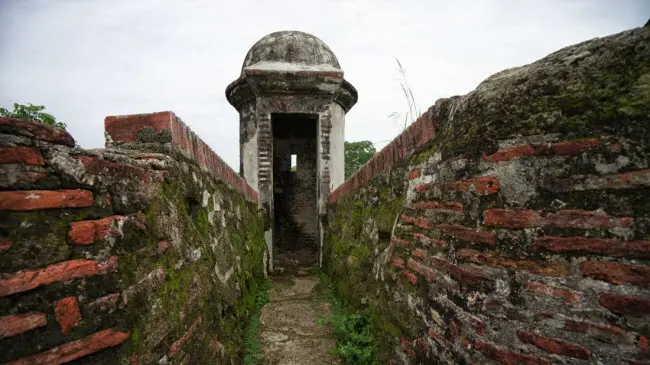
<point x="289" y="333"/>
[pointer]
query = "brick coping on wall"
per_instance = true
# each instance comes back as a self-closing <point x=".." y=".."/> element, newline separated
<point x="415" y="136"/>
<point x="121" y="129"/>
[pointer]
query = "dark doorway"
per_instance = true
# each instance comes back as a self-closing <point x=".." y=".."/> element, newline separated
<point x="295" y="226"/>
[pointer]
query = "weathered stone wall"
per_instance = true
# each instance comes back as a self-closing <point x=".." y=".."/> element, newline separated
<point x="510" y="225"/>
<point x="148" y="252"/>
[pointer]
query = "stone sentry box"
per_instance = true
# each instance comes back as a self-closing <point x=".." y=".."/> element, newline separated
<point x="292" y="100"/>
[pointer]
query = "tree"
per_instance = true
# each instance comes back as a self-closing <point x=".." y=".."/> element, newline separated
<point x="356" y="155"/>
<point x="32" y="112"/>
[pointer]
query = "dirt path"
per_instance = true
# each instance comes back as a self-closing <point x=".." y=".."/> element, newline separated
<point x="289" y="332"/>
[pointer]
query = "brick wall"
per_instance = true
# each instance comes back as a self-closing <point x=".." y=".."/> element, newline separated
<point x="510" y="225"/>
<point x="135" y="255"/>
<point x="126" y="129"/>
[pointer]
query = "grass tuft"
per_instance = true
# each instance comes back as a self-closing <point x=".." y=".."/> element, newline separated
<point x="354" y="340"/>
<point x="252" y="334"/>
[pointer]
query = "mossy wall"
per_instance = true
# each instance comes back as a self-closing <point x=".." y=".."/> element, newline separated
<point x="134" y="255"/>
<point x="510" y="225"/>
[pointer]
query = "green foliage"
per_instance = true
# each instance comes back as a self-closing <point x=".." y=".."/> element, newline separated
<point x="356" y="155"/>
<point x="32" y="112"/>
<point x="252" y="335"/>
<point x="354" y="339"/>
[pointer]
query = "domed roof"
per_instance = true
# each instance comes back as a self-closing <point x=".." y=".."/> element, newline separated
<point x="291" y="50"/>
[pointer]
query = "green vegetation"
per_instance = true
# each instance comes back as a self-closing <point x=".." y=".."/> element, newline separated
<point x="354" y="340"/>
<point x="32" y="112"/>
<point x="252" y="334"/>
<point x="413" y="112"/>
<point x="356" y="155"/>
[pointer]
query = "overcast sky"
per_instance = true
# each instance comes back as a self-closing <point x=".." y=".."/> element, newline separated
<point x="85" y="59"/>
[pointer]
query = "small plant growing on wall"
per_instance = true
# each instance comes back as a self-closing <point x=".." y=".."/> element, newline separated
<point x="402" y="120"/>
<point x="32" y="112"/>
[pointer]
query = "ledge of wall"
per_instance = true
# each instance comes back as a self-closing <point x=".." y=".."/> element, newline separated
<point x="129" y="129"/>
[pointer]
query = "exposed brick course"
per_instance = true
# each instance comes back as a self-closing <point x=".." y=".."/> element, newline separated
<point x="617" y="273"/>
<point x="554" y="346"/>
<point x="566" y="295"/>
<point x="14" y="324"/>
<point x="76" y="349"/>
<point x="44" y="199"/>
<point x="30" y="279"/>
<point x="602" y="246"/>
<point x="625" y="304"/>
<point x="22" y="155"/>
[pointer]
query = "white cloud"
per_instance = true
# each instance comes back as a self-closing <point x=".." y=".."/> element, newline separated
<point x="85" y="59"/>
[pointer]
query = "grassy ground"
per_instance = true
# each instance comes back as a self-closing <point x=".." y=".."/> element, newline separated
<point x="354" y="339"/>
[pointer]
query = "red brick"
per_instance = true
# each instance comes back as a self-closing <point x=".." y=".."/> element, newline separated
<point x="419" y="253"/>
<point x="423" y="344"/>
<point x="568" y="148"/>
<point x="624" y="304"/>
<point x="586" y="219"/>
<point x="162" y="246"/>
<point x="67" y="314"/>
<point x="421" y="222"/>
<point x="484" y="185"/>
<point x="563" y="219"/>
<point x="427" y="241"/>
<point x="459" y="274"/>
<point x="22" y="155"/>
<point x="508" y="357"/>
<point x="421" y="269"/>
<point x="14" y="324"/>
<point x="401" y="242"/>
<point x="423" y="187"/>
<point x="442" y="207"/>
<point x="75" y="349"/>
<point x="410" y="277"/>
<point x="5" y="244"/>
<point x="478" y="325"/>
<point x="617" y="273"/>
<point x="30" y="279"/>
<point x="491" y="259"/>
<point x="124" y="128"/>
<point x="36" y="130"/>
<point x="512" y="218"/>
<point x="603" y="246"/>
<point x="509" y="153"/>
<point x="571" y="148"/>
<point x="44" y="199"/>
<point x="397" y="262"/>
<point x="435" y="335"/>
<point x="625" y="180"/>
<point x="87" y="232"/>
<point x="468" y="234"/>
<point x="603" y="332"/>
<point x="408" y="348"/>
<point x="175" y="348"/>
<point x="414" y="174"/>
<point x="566" y="295"/>
<point x="554" y="346"/>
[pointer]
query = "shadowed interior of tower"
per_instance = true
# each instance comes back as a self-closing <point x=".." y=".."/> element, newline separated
<point x="294" y="190"/>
